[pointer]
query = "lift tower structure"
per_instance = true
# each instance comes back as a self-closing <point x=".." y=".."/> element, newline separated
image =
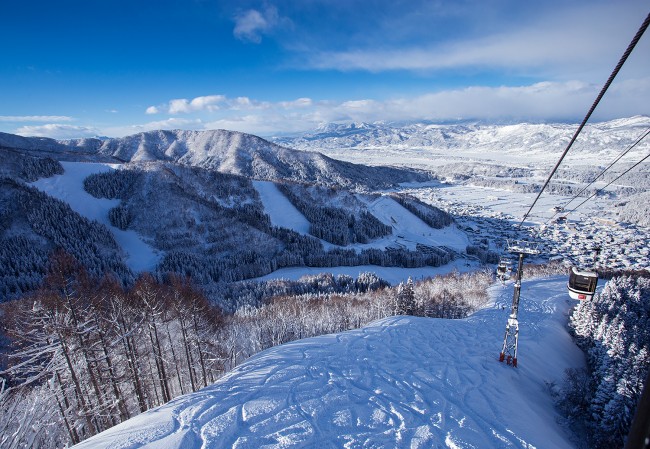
<point x="511" y="337"/>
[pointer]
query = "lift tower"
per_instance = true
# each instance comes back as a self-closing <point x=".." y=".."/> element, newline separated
<point x="511" y="338"/>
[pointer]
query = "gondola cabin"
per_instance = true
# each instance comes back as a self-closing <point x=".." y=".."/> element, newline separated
<point x="582" y="284"/>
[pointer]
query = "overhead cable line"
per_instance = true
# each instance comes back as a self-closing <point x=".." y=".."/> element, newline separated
<point x="563" y="207"/>
<point x="610" y="183"/>
<point x="618" y="67"/>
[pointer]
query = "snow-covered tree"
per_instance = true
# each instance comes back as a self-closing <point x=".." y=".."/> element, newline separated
<point x="612" y="329"/>
<point x="405" y="301"/>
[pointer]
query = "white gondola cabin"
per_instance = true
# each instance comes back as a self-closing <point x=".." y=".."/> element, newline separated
<point x="582" y="284"/>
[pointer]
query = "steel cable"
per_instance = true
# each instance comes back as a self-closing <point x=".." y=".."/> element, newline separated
<point x="577" y="195"/>
<point x="618" y="67"/>
<point x="610" y="183"/>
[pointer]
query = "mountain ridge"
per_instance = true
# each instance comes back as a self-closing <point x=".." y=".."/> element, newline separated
<point x="221" y="150"/>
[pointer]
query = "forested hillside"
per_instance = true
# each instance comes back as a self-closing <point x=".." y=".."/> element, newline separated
<point x="202" y="223"/>
<point x="212" y="226"/>
<point x="329" y="221"/>
<point x="32" y="224"/>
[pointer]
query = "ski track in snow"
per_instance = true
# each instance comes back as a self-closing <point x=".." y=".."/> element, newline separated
<point x="68" y="187"/>
<point x="398" y="382"/>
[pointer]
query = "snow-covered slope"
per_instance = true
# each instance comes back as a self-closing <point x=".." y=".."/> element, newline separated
<point x="407" y="230"/>
<point x="280" y="209"/>
<point x="399" y="382"/>
<point x="68" y="187"/>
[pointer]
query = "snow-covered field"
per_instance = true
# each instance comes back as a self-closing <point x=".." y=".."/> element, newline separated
<point x="68" y="187"/>
<point x="399" y="382"/>
<point x="393" y="275"/>
<point x="495" y="214"/>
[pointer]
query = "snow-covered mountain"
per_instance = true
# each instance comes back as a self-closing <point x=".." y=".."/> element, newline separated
<point x="224" y="151"/>
<point x="215" y="227"/>
<point x="398" y="382"/>
<point x="522" y="139"/>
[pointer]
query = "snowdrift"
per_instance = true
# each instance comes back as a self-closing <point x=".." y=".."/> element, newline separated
<point x="398" y="382"/>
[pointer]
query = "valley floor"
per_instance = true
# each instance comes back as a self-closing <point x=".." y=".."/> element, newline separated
<point x="398" y="382"/>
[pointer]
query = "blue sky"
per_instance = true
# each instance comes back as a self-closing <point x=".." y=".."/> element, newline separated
<point x="95" y="67"/>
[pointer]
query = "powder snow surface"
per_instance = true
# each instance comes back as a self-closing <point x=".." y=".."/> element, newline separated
<point x="68" y="187"/>
<point x="398" y="382"/>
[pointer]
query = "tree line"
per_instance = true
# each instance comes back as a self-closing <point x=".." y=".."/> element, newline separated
<point x="92" y="354"/>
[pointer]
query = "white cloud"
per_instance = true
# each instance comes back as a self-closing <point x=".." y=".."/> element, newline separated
<point x="58" y="131"/>
<point x="539" y="101"/>
<point x="184" y="106"/>
<point x="270" y="123"/>
<point x="566" y="44"/>
<point x="561" y="101"/>
<point x="35" y="118"/>
<point x="211" y="103"/>
<point x="298" y="103"/>
<point x="249" y="26"/>
<point x="245" y="104"/>
<point x="179" y="105"/>
<point x="544" y="101"/>
<point x="208" y="103"/>
<point x="252" y="24"/>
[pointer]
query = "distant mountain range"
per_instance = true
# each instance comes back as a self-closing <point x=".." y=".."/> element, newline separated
<point x="527" y="138"/>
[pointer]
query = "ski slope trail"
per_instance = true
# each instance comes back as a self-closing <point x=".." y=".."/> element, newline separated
<point x="398" y="382"/>
<point x="411" y="230"/>
<point x="280" y="209"/>
<point x="69" y="188"/>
